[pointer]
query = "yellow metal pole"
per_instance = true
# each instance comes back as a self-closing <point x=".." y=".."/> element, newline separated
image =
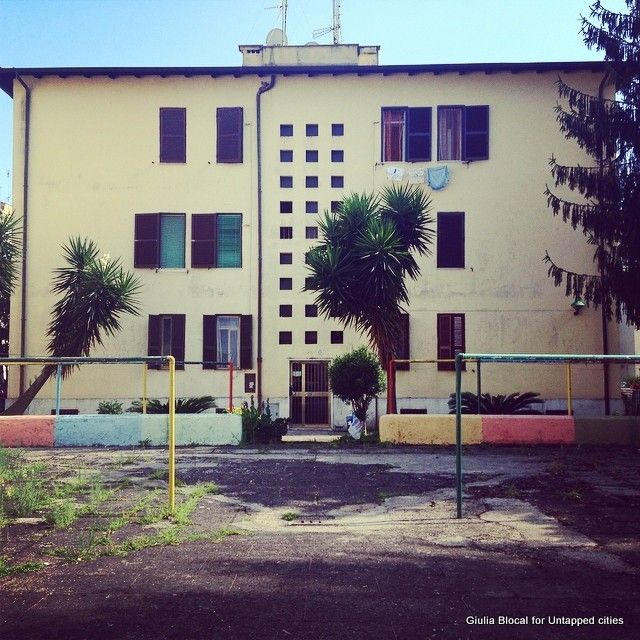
<point x="144" y="388"/>
<point x="172" y="434"/>
<point x="569" y="398"/>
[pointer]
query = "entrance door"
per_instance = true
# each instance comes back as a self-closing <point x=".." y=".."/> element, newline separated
<point x="309" y="395"/>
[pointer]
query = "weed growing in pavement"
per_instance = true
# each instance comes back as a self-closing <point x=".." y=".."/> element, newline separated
<point x="7" y="569"/>
<point x="62" y="514"/>
<point x="290" y="516"/>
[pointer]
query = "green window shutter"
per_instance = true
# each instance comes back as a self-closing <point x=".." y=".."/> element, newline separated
<point x="153" y="340"/>
<point x="177" y="339"/>
<point x="209" y="342"/>
<point x="229" y="237"/>
<point x="229" y="134"/>
<point x="402" y="350"/>
<point x="476" y="133"/>
<point x="173" y="134"/>
<point x="203" y="240"/>
<point x="172" y="240"/>
<point x="246" y="343"/>
<point x="146" y="246"/>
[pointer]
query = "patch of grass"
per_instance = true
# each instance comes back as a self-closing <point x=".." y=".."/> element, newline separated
<point x="511" y="491"/>
<point x="381" y="496"/>
<point x="22" y="488"/>
<point x="62" y="514"/>
<point x="188" y="506"/>
<point x="7" y="569"/>
<point x="290" y="516"/>
<point x="145" y="444"/>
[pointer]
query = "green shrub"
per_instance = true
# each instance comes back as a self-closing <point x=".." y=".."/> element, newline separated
<point x="513" y="404"/>
<point x="357" y="378"/>
<point x="110" y="407"/>
<point x="258" y="426"/>
<point x="183" y="405"/>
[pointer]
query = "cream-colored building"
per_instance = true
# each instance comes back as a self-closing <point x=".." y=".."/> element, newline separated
<point x="209" y="183"/>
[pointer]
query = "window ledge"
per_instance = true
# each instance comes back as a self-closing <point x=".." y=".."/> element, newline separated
<point x="171" y="270"/>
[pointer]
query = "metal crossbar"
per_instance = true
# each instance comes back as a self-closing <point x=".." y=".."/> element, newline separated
<point x="170" y="360"/>
<point x="566" y="359"/>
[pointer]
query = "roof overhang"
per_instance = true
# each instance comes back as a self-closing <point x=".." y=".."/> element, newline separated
<point x="7" y="75"/>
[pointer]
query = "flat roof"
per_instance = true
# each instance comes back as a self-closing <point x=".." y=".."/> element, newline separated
<point x="8" y="74"/>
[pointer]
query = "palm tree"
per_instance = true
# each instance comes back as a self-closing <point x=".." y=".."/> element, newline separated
<point x="95" y="292"/>
<point x="366" y="250"/>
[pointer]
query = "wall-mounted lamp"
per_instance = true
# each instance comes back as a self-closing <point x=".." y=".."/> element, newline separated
<point x="577" y="305"/>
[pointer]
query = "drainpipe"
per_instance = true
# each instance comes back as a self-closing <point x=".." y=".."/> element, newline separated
<point x="605" y="321"/>
<point x="25" y="212"/>
<point x="264" y="87"/>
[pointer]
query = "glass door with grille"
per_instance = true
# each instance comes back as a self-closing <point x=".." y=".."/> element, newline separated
<point x="309" y="395"/>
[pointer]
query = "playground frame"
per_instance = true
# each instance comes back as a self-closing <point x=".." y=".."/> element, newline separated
<point x="566" y="359"/>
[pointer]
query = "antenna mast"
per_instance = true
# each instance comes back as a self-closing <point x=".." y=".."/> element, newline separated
<point x="336" y="29"/>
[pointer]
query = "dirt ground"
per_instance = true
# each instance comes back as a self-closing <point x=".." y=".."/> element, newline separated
<point x="325" y="543"/>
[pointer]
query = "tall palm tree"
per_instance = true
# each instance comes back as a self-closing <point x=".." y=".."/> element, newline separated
<point x="95" y="292"/>
<point x="359" y="268"/>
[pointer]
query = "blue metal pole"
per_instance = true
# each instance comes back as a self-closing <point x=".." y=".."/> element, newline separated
<point x="58" y="388"/>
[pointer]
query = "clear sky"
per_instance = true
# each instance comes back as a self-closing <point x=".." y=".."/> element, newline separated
<point x="54" y="33"/>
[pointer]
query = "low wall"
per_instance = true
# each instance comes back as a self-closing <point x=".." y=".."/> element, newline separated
<point x="542" y="429"/>
<point x="118" y="430"/>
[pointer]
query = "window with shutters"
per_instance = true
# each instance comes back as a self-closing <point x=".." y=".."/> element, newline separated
<point x="450" y="339"/>
<point x="463" y="133"/>
<point x="229" y="134"/>
<point x="159" y="241"/>
<point x="216" y="240"/>
<point x="227" y="338"/>
<point x="165" y="337"/>
<point x="450" y="240"/>
<point x="173" y="134"/>
<point x="406" y="134"/>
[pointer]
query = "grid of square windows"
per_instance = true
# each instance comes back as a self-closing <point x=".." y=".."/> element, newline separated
<point x="337" y="129"/>
<point x="312" y="130"/>
<point x="335" y="205"/>
<point x="337" y="155"/>
<point x="286" y="311"/>
<point x="286" y="258"/>
<point x="286" y="182"/>
<point x="337" y="337"/>
<point x="311" y="155"/>
<point x="286" y="130"/>
<point x="311" y="182"/>
<point x="311" y="206"/>
<point x="286" y="206"/>
<point x="286" y="233"/>
<point x="286" y="284"/>
<point x="311" y="233"/>
<point x="337" y="182"/>
<point x="311" y="337"/>
<point x="310" y="311"/>
<point x="285" y="337"/>
<point x="286" y="155"/>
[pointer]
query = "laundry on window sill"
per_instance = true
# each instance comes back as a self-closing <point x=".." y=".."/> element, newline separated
<point x="438" y="177"/>
<point x="395" y="173"/>
<point x="416" y="176"/>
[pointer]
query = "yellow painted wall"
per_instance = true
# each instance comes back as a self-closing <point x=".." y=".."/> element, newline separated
<point x="94" y="164"/>
<point x="436" y="429"/>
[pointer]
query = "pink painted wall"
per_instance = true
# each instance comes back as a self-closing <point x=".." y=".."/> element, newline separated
<point x="27" y="431"/>
<point x="528" y="429"/>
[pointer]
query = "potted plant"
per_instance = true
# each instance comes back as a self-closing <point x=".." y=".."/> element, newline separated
<point x="630" y="392"/>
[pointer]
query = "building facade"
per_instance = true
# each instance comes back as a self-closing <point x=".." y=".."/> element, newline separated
<point x="210" y="183"/>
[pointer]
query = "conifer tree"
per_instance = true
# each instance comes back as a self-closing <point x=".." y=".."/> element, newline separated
<point x="607" y="129"/>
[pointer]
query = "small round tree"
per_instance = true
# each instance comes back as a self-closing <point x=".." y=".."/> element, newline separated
<point x="357" y="378"/>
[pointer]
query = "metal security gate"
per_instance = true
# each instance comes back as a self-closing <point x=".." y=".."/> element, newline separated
<point x="309" y="395"/>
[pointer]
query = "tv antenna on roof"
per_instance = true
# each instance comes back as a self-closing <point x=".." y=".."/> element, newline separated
<point x="279" y="36"/>
<point x="337" y="35"/>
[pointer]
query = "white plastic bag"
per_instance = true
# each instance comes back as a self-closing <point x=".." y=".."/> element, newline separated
<point x="355" y="428"/>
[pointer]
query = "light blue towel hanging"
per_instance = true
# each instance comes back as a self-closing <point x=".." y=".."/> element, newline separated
<point x="438" y="177"/>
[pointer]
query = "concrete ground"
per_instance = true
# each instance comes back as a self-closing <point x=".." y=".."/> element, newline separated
<point x="369" y="547"/>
